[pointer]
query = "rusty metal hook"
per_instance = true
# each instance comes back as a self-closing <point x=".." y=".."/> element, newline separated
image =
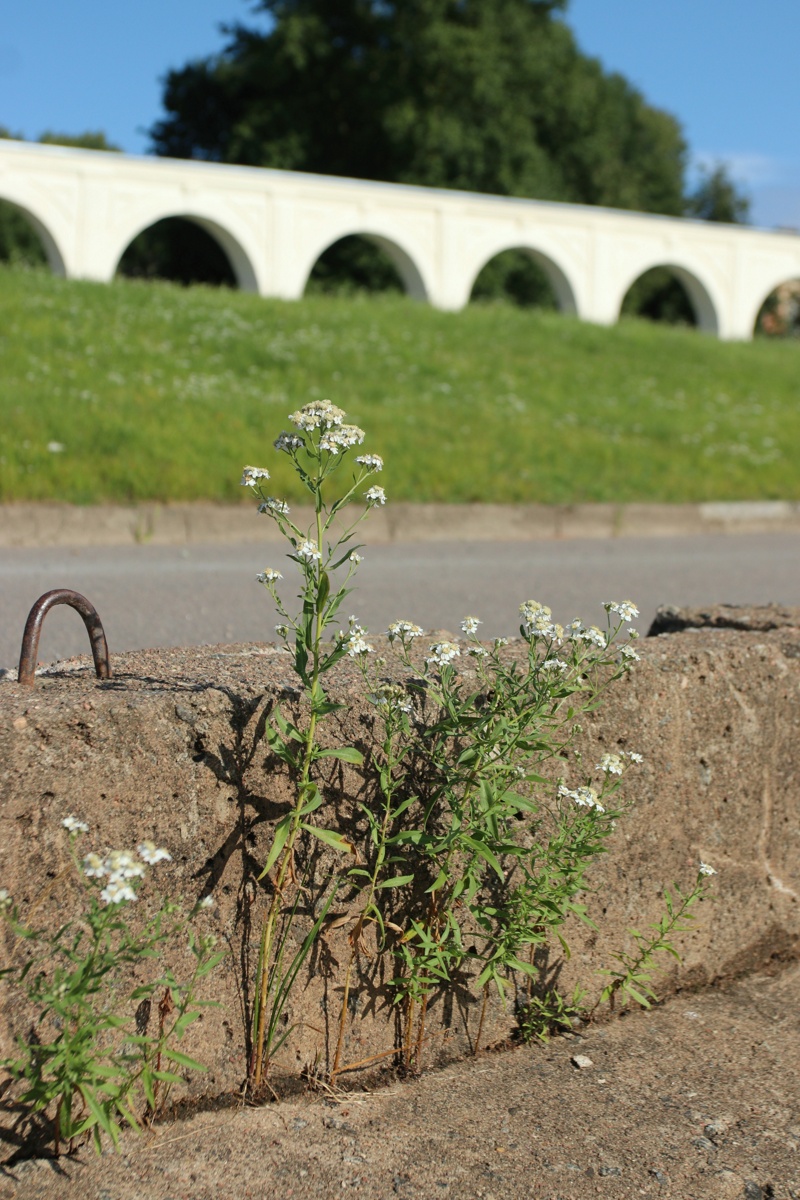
<point x="33" y="629"/>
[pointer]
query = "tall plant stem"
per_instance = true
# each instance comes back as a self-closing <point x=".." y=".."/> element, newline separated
<point x="260" y="1055"/>
<point x="480" y="1023"/>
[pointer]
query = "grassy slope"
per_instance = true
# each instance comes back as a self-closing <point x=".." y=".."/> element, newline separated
<point x="163" y="393"/>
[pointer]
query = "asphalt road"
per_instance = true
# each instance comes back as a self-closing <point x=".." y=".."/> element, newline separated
<point x="165" y="596"/>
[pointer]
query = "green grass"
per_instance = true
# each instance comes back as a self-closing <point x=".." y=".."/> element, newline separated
<point x="163" y="393"/>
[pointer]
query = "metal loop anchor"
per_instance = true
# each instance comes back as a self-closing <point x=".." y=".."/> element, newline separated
<point x="33" y="629"/>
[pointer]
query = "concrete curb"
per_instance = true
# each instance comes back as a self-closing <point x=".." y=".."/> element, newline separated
<point x="42" y="525"/>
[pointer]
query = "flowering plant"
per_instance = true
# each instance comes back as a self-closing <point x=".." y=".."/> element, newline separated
<point x="90" y="1061"/>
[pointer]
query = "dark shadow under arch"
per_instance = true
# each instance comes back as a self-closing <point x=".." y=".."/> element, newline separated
<point x="365" y="262"/>
<point x="659" y="295"/>
<point x="779" y="315"/>
<point x="25" y="241"/>
<point x="515" y="277"/>
<point x="180" y="250"/>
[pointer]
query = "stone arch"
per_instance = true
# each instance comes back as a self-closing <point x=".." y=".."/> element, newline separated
<point x="240" y="261"/>
<point x="400" y="257"/>
<point x="55" y="258"/>
<point x="556" y="275"/>
<point x="700" y="296"/>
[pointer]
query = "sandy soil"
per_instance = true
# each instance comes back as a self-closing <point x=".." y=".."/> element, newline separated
<point x="697" y="1099"/>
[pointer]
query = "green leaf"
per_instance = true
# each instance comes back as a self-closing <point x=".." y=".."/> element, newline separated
<point x="396" y="881"/>
<point x="331" y="838"/>
<point x="183" y="1060"/>
<point x="485" y="853"/>
<point x="278" y="842"/>
<point x="323" y="590"/>
<point x="347" y="754"/>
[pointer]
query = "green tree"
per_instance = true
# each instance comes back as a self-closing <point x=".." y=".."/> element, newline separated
<point x="486" y="95"/>
<point x="717" y="198"/>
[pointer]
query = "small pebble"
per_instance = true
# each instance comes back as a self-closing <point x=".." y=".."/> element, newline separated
<point x="581" y="1062"/>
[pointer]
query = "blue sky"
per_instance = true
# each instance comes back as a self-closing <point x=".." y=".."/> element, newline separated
<point x="726" y="68"/>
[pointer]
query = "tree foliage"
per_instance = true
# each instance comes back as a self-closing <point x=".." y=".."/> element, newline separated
<point x="717" y="198"/>
<point x="486" y="95"/>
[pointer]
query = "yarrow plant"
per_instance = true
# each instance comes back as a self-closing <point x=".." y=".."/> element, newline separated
<point x="90" y="1064"/>
<point x="476" y="845"/>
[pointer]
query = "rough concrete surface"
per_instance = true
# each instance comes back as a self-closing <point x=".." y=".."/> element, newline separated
<point x="696" y="1100"/>
<point x="55" y="524"/>
<point x="170" y="748"/>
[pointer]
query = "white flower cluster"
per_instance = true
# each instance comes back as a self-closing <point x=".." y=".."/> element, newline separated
<point x="268" y="576"/>
<point x="288" y="442"/>
<point x="628" y="654"/>
<point x="577" y="632"/>
<point x="392" y="698"/>
<point x="612" y="764"/>
<point x="375" y="495"/>
<point x="251" y="476"/>
<point x="705" y="869"/>
<point x="585" y="797"/>
<point x="308" y="550"/>
<point x="404" y="631"/>
<point x="74" y="825"/>
<point x="319" y="414"/>
<point x="5" y="899"/>
<point x="355" y="639"/>
<point x="355" y="557"/>
<point x="373" y="462"/>
<point x="500" y="641"/>
<point x="119" y="867"/>
<point x="537" y="620"/>
<point x="470" y="625"/>
<point x="442" y="653"/>
<point x="477" y="652"/>
<point x="626" y="609"/>
<point x="282" y="631"/>
<point x="273" y="507"/>
<point x="340" y="437"/>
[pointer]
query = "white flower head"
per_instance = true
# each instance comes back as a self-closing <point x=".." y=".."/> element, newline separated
<point x="251" y="476"/>
<point x="553" y="665"/>
<point x="391" y="698"/>
<point x="500" y="641"/>
<point x="633" y="756"/>
<point x="373" y="462"/>
<point x="375" y="495"/>
<point x="74" y="825"/>
<point x="584" y="797"/>
<point x="308" y="550"/>
<point x="5" y="898"/>
<point x="206" y="902"/>
<point x="153" y="854"/>
<point x="477" y="652"/>
<point x="537" y="620"/>
<point x="404" y="631"/>
<point x="355" y="557"/>
<point x="705" y="869"/>
<point x="442" y="653"/>
<point x="93" y="867"/>
<point x="341" y="437"/>
<point x="626" y="609"/>
<point x="120" y="864"/>
<point x="355" y="639"/>
<point x="611" y="764"/>
<point x="319" y="414"/>
<point x="629" y="655"/>
<point x="591" y="637"/>
<point x="282" y="631"/>
<point x="288" y="442"/>
<point x="117" y="892"/>
<point x="268" y="576"/>
<point x="470" y="625"/>
<point x="273" y="507"/>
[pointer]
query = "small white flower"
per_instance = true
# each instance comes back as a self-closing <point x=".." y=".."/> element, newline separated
<point x="552" y="664"/>
<point x="93" y="867"/>
<point x="117" y="892"/>
<point x="610" y="763"/>
<point x="341" y="437"/>
<point x="584" y="797"/>
<point x="500" y="641"/>
<point x="633" y="756"/>
<point x="120" y="864"/>
<point x="56" y="447"/>
<point x="251" y="476"/>
<point x="355" y="558"/>
<point x="391" y="698"/>
<point x="591" y="636"/>
<point x="355" y="640"/>
<point x="273" y="507"/>
<point x="74" y="825"/>
<point x="373" y="462"/>
<point x="375" y="495"/>
<point x="628" y="654"/>
<point x="282" y="631"/>
<point x="404" y="631"/>
<point x="705" y="869"/>
<point x="470" y="625"/>
<point x="153" y="854"/>
<point x="5" y="898"/>
<point x="288" y="442"/>
<point x="442" y="653"/>
<point x="206" y="902"/>
<point x="317" y="415"/>
<point x="308" y="550"/>
<point x="477" y="652"/>
<point x="633" y="634"/>
<point x="626" y="609"/>
<point x="537" y="620"/>
<point x="268" y="576"/>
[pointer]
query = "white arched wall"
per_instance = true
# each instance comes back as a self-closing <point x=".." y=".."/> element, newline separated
<point x="556" y="275"/>
<point x="242" y="262"/>
<point x="706" y="305"/>
<point x="55" y="258"/>
<point x="402" y="257"/>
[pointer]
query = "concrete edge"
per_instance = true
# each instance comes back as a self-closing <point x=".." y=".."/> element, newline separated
<point x="53" y="524"/>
